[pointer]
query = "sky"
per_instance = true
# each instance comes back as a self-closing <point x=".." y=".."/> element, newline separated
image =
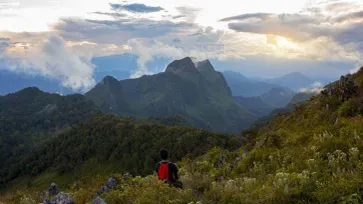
<point x="57" y="39"/>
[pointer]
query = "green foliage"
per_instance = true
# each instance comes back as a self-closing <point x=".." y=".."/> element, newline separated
<point x="307" y="156"/>
<point x="352" y="107"/>
<point x="31" y="117"/>
<point x="132" y="147"/>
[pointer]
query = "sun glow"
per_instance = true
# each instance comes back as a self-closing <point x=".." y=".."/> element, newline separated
<point x="282" y="42"/>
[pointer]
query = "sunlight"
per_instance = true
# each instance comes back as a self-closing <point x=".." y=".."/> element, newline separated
<point x="282" y="42"/>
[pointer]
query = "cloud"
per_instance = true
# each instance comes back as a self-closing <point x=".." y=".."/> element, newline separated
<point x="189" y="13"/>
<point x="136" y="8"/>
<point x="294" y="26"/>
<point x="117" y="31"/>
<point x="317" y="24"/>
<point x="358" y="67"/>
<point x="9" y="4"/>
<point x="112" y="14"/>
<point x="179" y="16"/>
<point x="314" y="88"/>
<point x="54" y="60"/>
<point x="313" y="34"/>
<point x="355" y="16"/>
<point x="262" y="16"/>
<point x="148" y="50"/>
<point x="340" y="6"/>
<point x="4" y="44"/>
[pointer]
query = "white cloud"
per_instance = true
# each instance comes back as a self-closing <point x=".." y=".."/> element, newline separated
<point x="355" y="70"/>
<point x="315" y="88"/>
<point x="53" y="59"/>
<point x="148" y="50"/>
<point x="313" y="34"/>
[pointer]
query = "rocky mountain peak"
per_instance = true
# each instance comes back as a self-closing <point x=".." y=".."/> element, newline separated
<point x="184" y="65"/>
<point x="204" y="65"/>
<point x="109" y="80"/>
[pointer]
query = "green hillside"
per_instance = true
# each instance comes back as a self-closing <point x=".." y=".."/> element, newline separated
<point x="311" y="155"/>
<point x="31" y="117"/>
<point x="255" y="105"/>
<point x="103" y="145"/>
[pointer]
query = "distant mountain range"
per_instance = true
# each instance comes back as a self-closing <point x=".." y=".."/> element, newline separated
<point x="124" y="65"/>
<point x="297" y="99"/>
<point x="255" y="105"/>
<point x="32" y="109"/>
<point x="194" y="91"/>
<point x="246" y="87"/>
<point x="263" y="105"/>
<point x="294" y="81"/>
<point x="118" y="66"/>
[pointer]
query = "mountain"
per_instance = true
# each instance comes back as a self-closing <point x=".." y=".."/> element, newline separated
<point x="277" y="97"/>
<point x="119" y="66"/>
<point x="271" y="101"/>
<point x="301" y="98"/>
<point x="242" y="86"/>
<point x="30" y="117"/>
<point x="11" y="82"/>
<point x="294" y="81"/>
<point x="194" y="91"/>
<point x="33" y="109"/>
<point x="297" y="100"/>
<point x="310" y="155"/>
<point x="255" y="105"/>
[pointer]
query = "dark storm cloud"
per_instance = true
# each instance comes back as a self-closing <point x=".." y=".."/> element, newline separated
<point x="136" y="8"/>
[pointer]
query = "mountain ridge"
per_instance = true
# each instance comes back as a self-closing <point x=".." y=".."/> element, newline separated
<point x="203" y="98"/>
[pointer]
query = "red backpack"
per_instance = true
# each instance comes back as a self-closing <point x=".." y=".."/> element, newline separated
<point x="163" y="171"/>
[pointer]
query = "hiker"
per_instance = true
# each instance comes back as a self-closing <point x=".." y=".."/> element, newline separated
<point x="167" y="171"/>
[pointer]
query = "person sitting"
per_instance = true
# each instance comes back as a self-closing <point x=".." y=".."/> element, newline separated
<point x="167" y="171"/>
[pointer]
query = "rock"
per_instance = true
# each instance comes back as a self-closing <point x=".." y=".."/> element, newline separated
<point x="53" y="189"/>
<point x="126" y="176"/>
<point x="99" y="200"/>
<point x="109" y="185"/>
<point x="46" y="201"/>
<point x="220" y="178"/>
<point x="336" y="122"/>
<point x="102" y="190"/>
<point x="220" y="161"/>
<point x="111" y="182"/>
<point x="61" y="198"/>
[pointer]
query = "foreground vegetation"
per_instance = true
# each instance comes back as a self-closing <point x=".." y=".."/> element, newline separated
<point x="312" y="155"/>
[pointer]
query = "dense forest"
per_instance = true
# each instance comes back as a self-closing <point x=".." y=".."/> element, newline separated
<point x="30" y="117"/>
